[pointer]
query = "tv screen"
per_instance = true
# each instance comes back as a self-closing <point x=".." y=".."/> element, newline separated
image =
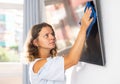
<point x="93" y="51"/>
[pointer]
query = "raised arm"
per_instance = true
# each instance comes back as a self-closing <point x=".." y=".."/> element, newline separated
<point x="74" y="54"/>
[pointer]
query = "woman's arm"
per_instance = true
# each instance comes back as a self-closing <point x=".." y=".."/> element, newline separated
<point x="74" y="55"/>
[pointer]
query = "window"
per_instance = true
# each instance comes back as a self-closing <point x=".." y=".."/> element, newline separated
<point x="11" y="28"/>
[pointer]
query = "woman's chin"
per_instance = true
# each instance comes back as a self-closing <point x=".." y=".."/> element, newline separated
<point x="52" y="46"/>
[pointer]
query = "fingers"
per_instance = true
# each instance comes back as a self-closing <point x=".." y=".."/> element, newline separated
<point x="88" y="12"/>
<point x="86" y="19"/>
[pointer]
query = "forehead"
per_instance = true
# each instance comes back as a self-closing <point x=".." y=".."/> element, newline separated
<point x="45" y="30"/>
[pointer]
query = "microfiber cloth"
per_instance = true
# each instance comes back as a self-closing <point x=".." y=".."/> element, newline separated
<point x="93" y="14"/>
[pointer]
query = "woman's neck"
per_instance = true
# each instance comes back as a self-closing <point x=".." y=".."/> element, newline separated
<point x="44" y="53"/>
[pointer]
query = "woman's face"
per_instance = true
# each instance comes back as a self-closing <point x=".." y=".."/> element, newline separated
<point x="46" y="38"/>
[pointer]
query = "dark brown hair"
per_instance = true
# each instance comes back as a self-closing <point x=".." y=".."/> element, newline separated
<point x="32" y="50"/>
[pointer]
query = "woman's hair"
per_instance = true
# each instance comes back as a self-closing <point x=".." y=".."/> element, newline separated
<point x="32" y="50"/>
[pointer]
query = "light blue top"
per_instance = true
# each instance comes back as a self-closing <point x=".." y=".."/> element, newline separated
<point x="51" y="73"/>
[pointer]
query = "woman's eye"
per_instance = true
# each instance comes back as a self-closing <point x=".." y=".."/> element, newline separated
<point x="46" y="36"/>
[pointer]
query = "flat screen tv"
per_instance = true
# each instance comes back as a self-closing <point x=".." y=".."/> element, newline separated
<point x="93" y="51"/>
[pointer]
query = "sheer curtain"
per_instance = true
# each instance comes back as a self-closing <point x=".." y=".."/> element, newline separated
<point x="34" y="13"/>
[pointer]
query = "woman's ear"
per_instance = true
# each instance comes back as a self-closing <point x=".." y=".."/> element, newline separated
<point x="35" y="42"/>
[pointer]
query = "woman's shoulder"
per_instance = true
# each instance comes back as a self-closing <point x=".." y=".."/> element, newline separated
<point x="37" y="64"/>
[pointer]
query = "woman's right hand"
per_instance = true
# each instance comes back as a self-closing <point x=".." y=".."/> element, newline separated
<point x="86" y="20"/>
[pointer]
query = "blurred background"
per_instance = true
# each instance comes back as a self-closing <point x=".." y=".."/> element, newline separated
<point x="11" y="30"/>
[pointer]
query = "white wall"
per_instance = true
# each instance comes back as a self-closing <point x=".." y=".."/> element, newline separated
<point x="110" y="73"/>
<point x="11" y="73"/>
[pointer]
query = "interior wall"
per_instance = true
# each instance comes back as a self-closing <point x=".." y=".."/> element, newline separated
<point x="11" y="73"/>
<point x="85" y="73"/>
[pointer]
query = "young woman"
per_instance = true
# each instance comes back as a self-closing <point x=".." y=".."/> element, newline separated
<point x="45" y="66"/>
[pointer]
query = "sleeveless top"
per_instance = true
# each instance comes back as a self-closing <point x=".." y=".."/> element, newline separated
<point x="52" y="72"/>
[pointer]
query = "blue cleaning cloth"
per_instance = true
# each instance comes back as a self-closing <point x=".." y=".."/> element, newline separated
<point x="93" y="14"/>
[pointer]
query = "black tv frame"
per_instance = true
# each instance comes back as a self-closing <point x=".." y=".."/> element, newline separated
<point x="94" y="50"/>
